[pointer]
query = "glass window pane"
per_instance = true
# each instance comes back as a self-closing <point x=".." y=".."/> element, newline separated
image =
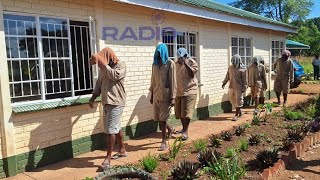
<point x="5" y="26"/>
<point x="62" y="69"/>
<point x="234" y="41"/>
<point x="48" y="69"/>
<point x="281" y="44"/>
<point x="277" y="44"/>
<point x="241" y="52"/>
<point x="60" y="48"/>
<point x="55" y="69"/>
<point x="273" y="45"/>
<point x="20" y="27"/>
<point x="10" y="71"/>
<point x="65" y="48"/>
<point x="14" y="49"/>
<point x="11" y="90"/>
<point x="44" y="30"/>
<point x="35" y="88"/>
<point x="248" y="52"/>
<point x="16" y="71"/>
<point x="17" y="89"/>
<point x="277" y="53"/>
<point x="12" y="27"/>
<point x="26" y="89"/>
<point x="248" y="42"/>
<point x="241" y="41"/>
<point x="46" y="47"/>
<point x="65" y="30"/>
<point x="53" y="50"/>
<point x="56" y="86"/>
<point x="23" y="47"/>
<point x="51" y="30"/>
<point x="234" y="50"/>
<point x="67" y="65"/>
<point x="58" y="29"/>
<point x="192" y="38"/>
<point x="32" y="47"/>
<point x="30" y="28"/>
<point x="49" y="88"/>
<point x="273" y="52"/>
<point x="34" y="69"/>
<point x="25" y="70"/>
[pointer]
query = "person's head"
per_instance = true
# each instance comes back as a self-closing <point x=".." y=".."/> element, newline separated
<point x="236" y="60"/>
<point x="257" y="60"/>
<point x="182" y="55"/>
<point x="285" y="55"/>
<point x="104" y="57"/>
<point x="161" y="55"/>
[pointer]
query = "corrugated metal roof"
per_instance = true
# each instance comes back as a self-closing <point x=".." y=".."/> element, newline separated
<point x="51" y="105"/>
<point x="208" y="4"/>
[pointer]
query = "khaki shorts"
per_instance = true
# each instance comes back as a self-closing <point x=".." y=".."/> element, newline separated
<point x="184" y="106"/>
<point x="281" y="85"/>
<point x="236" y="97"/>
<point x="257" y="92"/>
<point x="161" y="110"/>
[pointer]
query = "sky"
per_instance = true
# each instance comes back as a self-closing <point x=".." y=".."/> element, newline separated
<point x="314" y="13"/>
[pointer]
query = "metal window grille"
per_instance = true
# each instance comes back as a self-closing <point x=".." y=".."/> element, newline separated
<point x="276" y="47"/>
<point x="39" y="60"/>
<point x="243" y="47"/>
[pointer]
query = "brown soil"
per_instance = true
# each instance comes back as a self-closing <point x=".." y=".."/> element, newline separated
<point x="307" y="89"/>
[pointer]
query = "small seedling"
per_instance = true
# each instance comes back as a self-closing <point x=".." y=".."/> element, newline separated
<point x="185" y="170"/>
<point x="247" y="125"/>
<point x="231" y="152"/>
<point x="200" y="145"/>
<point x="256" y="120"/>
<point x="208" y="156"/>
<point x="176" y="147"/>
<point x="254" y="139"/>
<point x="244" y="145"/>
<point x="293" y="115"/>
<point x="150" y="162"/>
<point x="226" y="135"/>
<point x="239" y="130"/>
<point x="215" y="141"/>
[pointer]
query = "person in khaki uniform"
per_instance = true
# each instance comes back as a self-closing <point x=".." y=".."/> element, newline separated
<point x="237" y="78"/>
<point x="110" y="85"/>
<point x="163" y="90"/>
<point x="284" y="77"/>
<point x="187" y="88"/>
<point x="257" y="80"/>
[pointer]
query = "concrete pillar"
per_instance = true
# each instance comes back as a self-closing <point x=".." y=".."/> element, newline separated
<point x="7" y="130"/>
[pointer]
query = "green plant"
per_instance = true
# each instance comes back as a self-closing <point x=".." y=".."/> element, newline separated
<point x="208" y="156"/>
<point x="215" y="141"/>
<point x="293" y="115"/>
<point x="228" y="169"/>
<point x="296" y="135"/>
<point x="247" y="125"/>
<point x="176" y="147"/>
<point x="185" y="171"/>
<point x="150" y="162"/>
<point x="226" y="135"/>
<point x="287" y="144"/>
<point x="244" y="145"/>
<point x="306" y="127"/>
<point x="240" y="130"/>
<point x="267" y="158"/>
<point x="200" y="145"/>
<point x="231" y="152"/>
<point x="164" y="174"/>
<point x="254" y="139"/>
<point x="88" y="178"/>
<point x="311" y="110"/>
<point x="256" y="120"/>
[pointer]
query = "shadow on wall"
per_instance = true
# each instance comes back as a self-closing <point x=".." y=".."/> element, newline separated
<point x="47" y="132"/>
<point x="203" y="107"/>
<point x="225" y="103"/>
<point x="142" y="127"/>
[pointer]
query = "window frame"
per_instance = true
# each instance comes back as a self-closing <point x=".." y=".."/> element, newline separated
<point x="41" y="58"/>
<point x="245" y="47"/>
<point x="281" y="49"/>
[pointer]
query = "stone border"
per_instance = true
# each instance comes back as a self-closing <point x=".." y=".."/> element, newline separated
<point x="287" y="158"/>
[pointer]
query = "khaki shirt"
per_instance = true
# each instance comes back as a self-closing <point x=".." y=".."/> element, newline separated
<point x="110" y="85"/>
<point x="284" y="69"/>
<point x="257" y="76"/>
<point x="237" y="78"/>
<point x="187" y="84"/>
<point x="163" y="82"/>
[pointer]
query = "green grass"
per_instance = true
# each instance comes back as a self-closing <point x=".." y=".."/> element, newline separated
<point x="200" y="145"/>
<point x="150" y="162"/>
<point x="293" y="115"/>
<point x="231" y="152"/>
<point x="244" y="145"/>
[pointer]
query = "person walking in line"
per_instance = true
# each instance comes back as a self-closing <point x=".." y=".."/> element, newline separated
<point x="316" y="67"/>
<point x="237" y="78"/>
<point x="284" y="70"/>
<point x="110" y="85"/>
<point x="187" y="88"/>
<point x="163" y="91"/>
<point x="257" y="81"/>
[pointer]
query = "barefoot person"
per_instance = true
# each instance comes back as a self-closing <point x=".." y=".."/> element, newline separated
<point x="284" y="77"/>
<point x="163" y="90"/>
<point x="236" y="76"/>
<point x="187" y="87"/>
<point x="110" y="85"/>
<point x="257" y="81"/>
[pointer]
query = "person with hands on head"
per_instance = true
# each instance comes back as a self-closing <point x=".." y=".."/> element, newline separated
<point x="257" y="81"/>
<point x="285" y="76"/>
<point x="110" y="85"/>
<point x="163" y="91"/>
<point x="237" y="78"/>
<point x="187" y="88"/>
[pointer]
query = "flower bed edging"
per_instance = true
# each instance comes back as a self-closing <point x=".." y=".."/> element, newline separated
<point x="287" y="158"/>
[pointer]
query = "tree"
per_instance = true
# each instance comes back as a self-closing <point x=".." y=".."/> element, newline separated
<point x="281" y="10"/>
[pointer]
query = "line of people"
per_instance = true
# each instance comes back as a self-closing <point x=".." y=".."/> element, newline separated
<point x="174" y="84"/>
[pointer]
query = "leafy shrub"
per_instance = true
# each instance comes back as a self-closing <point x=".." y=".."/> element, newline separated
<point x="215" y="141"/>
<point x="287" y="144"/>
<point x="228" y="169"/>
<point x="305" y="127"/>
<point x="208" y="156"/>
<point x="185" y="171"/>
<point x="256" y="120"/>
<point x="267" y="158"/>
<point x="231" y="152"/>
<point x="150" y="162"/>
<point x="254" y="139"/>
<point x="315" y="125"/>
<point x="244" y="145"/>
<point x="240" y="130"/>
<point x="226" y="135"/>
<point x="311" y="110"/>
<point x="296" y="135"/>
<point x="176" y="147"/>
<point x="293" y="115"/>
<point x="200" y="145"/>
<point x="247" y="125"/>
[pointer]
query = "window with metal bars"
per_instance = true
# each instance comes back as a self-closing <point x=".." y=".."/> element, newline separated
<point x="243" y="47"/>
<point x="277" y="47"/>
<point x="40" y="64"/>
<point x="176" y="40"/>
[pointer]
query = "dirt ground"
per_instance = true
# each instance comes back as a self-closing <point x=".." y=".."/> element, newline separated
<point x="307" y="89"/>
<point x="306" y="168"/>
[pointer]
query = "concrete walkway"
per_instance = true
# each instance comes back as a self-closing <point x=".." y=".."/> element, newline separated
<point x="86" y="165"/>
